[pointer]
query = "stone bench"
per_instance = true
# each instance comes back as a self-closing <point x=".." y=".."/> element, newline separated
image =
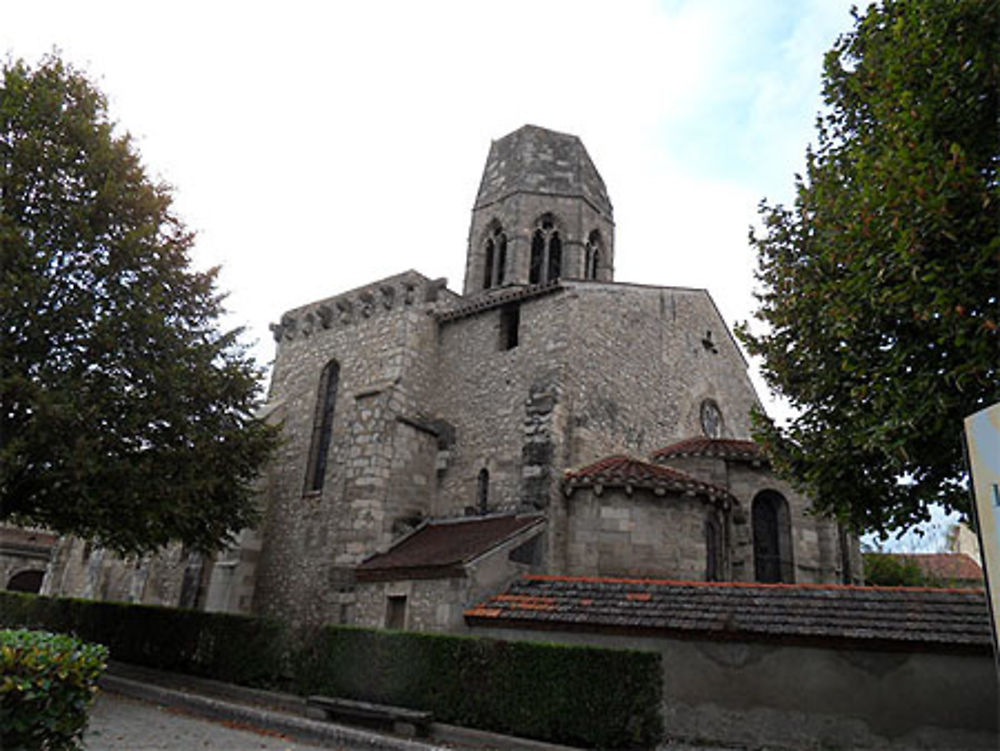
<point x="399" y="719"/>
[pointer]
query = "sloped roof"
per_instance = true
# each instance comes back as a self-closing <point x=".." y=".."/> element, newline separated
<point x="943" y="566"/>
<point x="440" y="549"/>
<point x="722" y="448"/>
<point x="620" y="471"/>
<point x="894" y="617"/>
<point x="537" y="160"/>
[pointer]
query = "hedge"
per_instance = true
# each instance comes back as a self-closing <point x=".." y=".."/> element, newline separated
<point x="566" y="694"/>
<point x="578" y="695"/>
<point x="233" y="648"/>
<point x="47" y="684"/>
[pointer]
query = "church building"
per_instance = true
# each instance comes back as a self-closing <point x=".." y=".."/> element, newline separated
<point x="549" y="419"/>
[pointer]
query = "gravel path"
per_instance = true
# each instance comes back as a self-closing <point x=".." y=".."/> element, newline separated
<point x="119" y="723"/>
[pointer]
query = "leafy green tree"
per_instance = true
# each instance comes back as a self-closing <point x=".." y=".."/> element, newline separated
<point x="879" y="288"/>
<point x="888" y="570"/>
<point x="126" y="415"/>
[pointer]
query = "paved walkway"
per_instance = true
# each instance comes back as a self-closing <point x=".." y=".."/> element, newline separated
<point x="120" y="723"/>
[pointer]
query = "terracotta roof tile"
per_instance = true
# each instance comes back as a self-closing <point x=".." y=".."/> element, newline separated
<point x="944" y="566"/>
<point x="723" y="448"/>
<point x="852" y="616"/>
<point x="620" y="471"/>
<point x="441" y="548"/>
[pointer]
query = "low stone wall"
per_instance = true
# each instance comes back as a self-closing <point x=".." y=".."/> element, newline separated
<point x="758" y="695"/>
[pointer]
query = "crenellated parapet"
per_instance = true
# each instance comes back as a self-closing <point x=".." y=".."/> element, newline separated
<point x="405" y="291"/>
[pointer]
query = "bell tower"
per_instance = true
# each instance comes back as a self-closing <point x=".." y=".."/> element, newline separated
<point x="542" y="213"/>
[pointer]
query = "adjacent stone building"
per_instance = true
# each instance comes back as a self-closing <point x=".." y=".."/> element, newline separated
<point x="549" y="419"/>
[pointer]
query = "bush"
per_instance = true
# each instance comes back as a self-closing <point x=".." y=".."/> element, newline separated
<point x="578" y="695"/>
<point x="233" y="648"/>
<point x="567" y="694"/>
<point x="48" y="684"/>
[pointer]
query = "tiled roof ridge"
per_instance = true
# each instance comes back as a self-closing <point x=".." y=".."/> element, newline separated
<point x="498" y="299"/>
<point x="743" y="585"/>
<point x="728" y="448"/>
<point x="624" y="469"/>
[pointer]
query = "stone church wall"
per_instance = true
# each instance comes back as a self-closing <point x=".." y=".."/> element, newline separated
<point x="640" y="369"/>
<point x="383" y="337"/>
<point x="635" y="534"/>
<point x="503" y="404"/>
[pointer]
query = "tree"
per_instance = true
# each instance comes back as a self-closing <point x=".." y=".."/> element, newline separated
<point x="126" y="415"/>
<point x="879" y="288"/>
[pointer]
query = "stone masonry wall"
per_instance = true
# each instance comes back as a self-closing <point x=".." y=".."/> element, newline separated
<point x="642" y="361"/>
<point x="637" y="534"/>
<point x="383" y="337"/>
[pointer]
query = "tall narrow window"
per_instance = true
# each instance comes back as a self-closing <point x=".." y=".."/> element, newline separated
<point x="488" y="265"/>
<point x="537" y="257"/>
<point x="713" y="550"/>
<point x="592" y="257"/>
<point x="501" y="258"/>
<point x="510" y="323"/>
<point x="772" y="539"/>
<point x="483" y="490"/>
<point x="322" y="427"/>
<point x="495" y="257"/>
<point x="546" y="252"/>
<point x="555" y="257"/>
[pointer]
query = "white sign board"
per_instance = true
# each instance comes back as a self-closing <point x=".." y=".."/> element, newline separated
<point x="982" y="436"/>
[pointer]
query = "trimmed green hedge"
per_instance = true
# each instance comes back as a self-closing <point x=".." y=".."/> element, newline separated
<point x="47" y="684"/>
<point x="567" y="694"/>
<point x="579" y="695"/>
<point x="233" y="648"/>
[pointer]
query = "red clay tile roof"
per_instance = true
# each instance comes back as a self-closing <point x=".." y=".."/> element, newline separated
<point x="440" y="549"/>
<point x="723" y="448"/>
<point x="619" y="471"/>
<point x="888" y="617"/>
<point x="946" y="567"/>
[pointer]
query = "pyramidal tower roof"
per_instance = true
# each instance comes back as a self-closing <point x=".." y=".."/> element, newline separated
<point x="536" y="160"/>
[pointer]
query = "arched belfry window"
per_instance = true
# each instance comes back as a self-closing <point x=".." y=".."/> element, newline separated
<point x="772" y="538"/>
<point x="483" y="490"/>
<point x="495" y="257"/>
<point x="592" y="255"/>
<point x="546" y="252"/>
<point x="322" y="435"/>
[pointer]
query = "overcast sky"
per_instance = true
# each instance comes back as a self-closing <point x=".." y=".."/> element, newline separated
<point x="317" y="146"/>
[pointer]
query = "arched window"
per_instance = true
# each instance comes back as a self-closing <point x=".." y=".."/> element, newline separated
<point x="772" y="538"/>
<point x="483" y="490"/>
<point x="27" y="581"/>
<point x="592" y="256"/>
<point x="546" y="252"/>
<point x="713" y="549"/>
<point x="495" y="257"/>
<point x="326" y="400"/>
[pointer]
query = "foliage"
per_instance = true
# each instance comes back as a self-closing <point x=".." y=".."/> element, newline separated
<point x="889" y="570"/>
<point x="234" y="648"/>
<point x="48" y="683"/>
<point x="547" y="691"/>
<point x="126" y="415"/>
<point x="880" y="287"/>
